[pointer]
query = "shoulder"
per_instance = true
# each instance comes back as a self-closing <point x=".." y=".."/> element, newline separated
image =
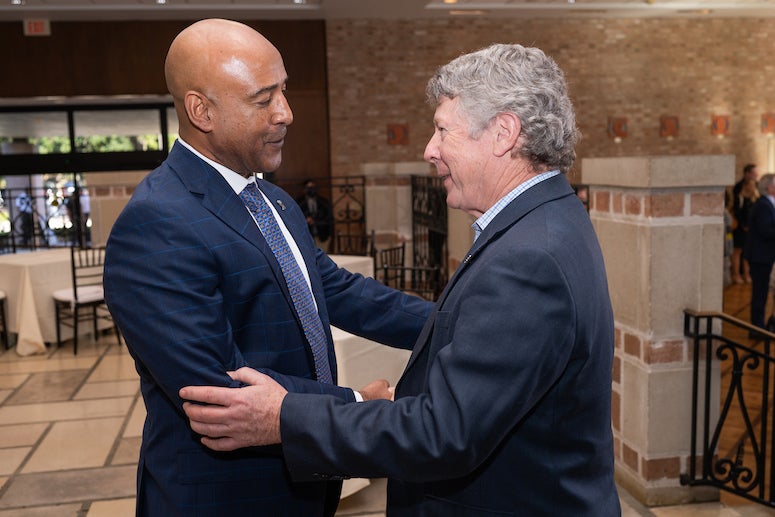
<point x="158" y="195"/>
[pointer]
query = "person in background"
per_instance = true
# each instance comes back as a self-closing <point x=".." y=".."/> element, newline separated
<point x="729" y="227"/>
<point x="760" y="248"/>
<point x="505" y="405"/>
<point x="26" y="218"/>
<point x="317" y="210"/>
<point x="209" y="269"/>
<point x="744" y="194"/>
<point x="85" y="202"/>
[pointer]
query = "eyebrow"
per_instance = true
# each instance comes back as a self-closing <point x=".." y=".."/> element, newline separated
<point x="269" y="88"/>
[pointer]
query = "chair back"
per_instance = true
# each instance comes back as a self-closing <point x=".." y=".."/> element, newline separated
<point x="422" y="281"/>
<point x="7" y="244"/>
<point x="356" y="244"/>
<point x="393" y="256"/>
<point x="87" y="266"/>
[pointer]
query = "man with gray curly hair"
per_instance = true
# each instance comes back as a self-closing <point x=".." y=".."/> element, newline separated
<point x="505" y="405"/>
<point x="535" y="91"/>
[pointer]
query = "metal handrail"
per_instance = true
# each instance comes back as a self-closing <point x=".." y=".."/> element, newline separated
<point x="747" y="470"/>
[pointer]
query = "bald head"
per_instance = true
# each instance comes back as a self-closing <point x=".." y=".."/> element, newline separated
<point x="204" y="51"/>
<point x="228" y="84"/>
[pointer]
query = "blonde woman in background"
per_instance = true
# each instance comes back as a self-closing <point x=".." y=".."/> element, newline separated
<point x="743" y="202"/>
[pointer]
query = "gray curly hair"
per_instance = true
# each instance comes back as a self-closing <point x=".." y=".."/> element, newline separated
<point x="524" y="81"/>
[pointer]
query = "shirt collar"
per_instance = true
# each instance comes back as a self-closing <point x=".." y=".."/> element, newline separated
<point x="236" y="181"/>
<point x="487" y="217"/>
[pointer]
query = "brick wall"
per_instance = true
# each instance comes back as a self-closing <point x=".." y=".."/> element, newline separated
<point x="635" y="68"/>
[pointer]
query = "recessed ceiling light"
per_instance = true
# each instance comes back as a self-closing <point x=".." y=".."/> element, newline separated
<point x="17" y="2"/>
<point x="450" y="1"/>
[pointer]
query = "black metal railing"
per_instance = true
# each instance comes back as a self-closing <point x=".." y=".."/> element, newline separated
<point x="732" y="442"/>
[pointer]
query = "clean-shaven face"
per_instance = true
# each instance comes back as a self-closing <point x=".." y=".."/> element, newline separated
<point x="459" y="159"/>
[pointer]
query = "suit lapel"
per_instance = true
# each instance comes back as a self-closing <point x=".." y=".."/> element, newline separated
<point x="544" y="192"/>
<point x="283" y="204"/>
<point x="216" y="195"/>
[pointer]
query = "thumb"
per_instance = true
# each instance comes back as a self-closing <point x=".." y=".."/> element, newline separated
<point x="247" y="376"/>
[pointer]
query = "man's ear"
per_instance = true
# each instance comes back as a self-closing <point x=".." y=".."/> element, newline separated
<point x="198" y="110"/>
<point x="507" y="127"/>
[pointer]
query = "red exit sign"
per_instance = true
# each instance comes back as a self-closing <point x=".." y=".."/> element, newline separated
<point x="37" y="27"/>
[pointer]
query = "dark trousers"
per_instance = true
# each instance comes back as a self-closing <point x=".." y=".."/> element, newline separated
<point x="760" y="287"/>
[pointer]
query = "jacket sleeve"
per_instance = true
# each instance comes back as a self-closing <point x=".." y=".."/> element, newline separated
<point x="495" y="353"/>
<point x="162" y="287"/>
<point x="370" y="309"/>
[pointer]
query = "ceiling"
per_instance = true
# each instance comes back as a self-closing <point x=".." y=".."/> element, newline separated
<point x="380" y="9"/>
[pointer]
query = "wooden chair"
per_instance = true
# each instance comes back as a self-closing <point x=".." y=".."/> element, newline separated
<point x="4" y="321"/>
<point x="85" y="300"/>
<point x="355" y="244"/>
<point x="391" y="257"/>
<point x="7" y="244"/>
<point x="422" y="281"/>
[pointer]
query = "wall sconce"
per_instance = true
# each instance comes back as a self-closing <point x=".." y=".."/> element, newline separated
<point x="768" y="124"/>
<point x="617" y="128"/>
<point x="397" y="134"/>
<point x="719" y="126"/>
<point x="668" y="127"/>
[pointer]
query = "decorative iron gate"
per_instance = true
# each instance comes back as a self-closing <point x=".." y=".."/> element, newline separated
<point x="347" y="196"/>
<point x="736" y="451"/>
<point x="429" y="223"/>
<point x="348" y="200"/>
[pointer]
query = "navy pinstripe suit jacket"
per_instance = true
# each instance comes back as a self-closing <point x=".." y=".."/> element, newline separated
<point x="196" y="292"/>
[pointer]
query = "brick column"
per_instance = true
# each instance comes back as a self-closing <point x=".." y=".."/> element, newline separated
<point x="660" y="224"/>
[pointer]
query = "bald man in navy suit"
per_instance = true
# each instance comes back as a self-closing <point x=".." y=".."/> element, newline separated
<point x="197" y="291"/>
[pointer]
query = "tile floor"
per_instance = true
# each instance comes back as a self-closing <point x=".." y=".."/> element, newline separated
<point x="70" y="430"/>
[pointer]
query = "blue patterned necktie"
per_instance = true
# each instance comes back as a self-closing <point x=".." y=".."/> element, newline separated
<point x="297" y="285"/>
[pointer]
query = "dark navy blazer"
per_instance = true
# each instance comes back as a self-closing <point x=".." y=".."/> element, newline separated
<point x="196" y="292"/>
<point x="760" y="242"/>
<point x="505" y="405"/>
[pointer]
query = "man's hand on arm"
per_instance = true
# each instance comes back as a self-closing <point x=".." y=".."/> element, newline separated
<point x="232" y="418"/>
<point x="379" y="389"/>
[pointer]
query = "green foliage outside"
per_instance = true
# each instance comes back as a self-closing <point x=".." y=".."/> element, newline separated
<point x="95" y="144"/>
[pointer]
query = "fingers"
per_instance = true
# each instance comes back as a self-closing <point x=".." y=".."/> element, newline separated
<point x="220" y="444"/>
<point x="199" y="413"/>
<point x="206" y="394"/>
<point x="247" y="376"/>
<point x="378" y="389"/>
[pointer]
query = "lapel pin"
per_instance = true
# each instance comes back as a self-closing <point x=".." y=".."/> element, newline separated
<point x="282" y="205"/>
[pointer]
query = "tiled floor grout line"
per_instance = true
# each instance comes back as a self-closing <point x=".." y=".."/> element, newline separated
<point x="18" y="471"/>
<point x="120" y="436"/>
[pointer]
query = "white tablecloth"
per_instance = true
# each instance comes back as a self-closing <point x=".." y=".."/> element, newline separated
<point x="360" y="361"/>
<point x="29" y="279"/>
<point x="355" y="264"/>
